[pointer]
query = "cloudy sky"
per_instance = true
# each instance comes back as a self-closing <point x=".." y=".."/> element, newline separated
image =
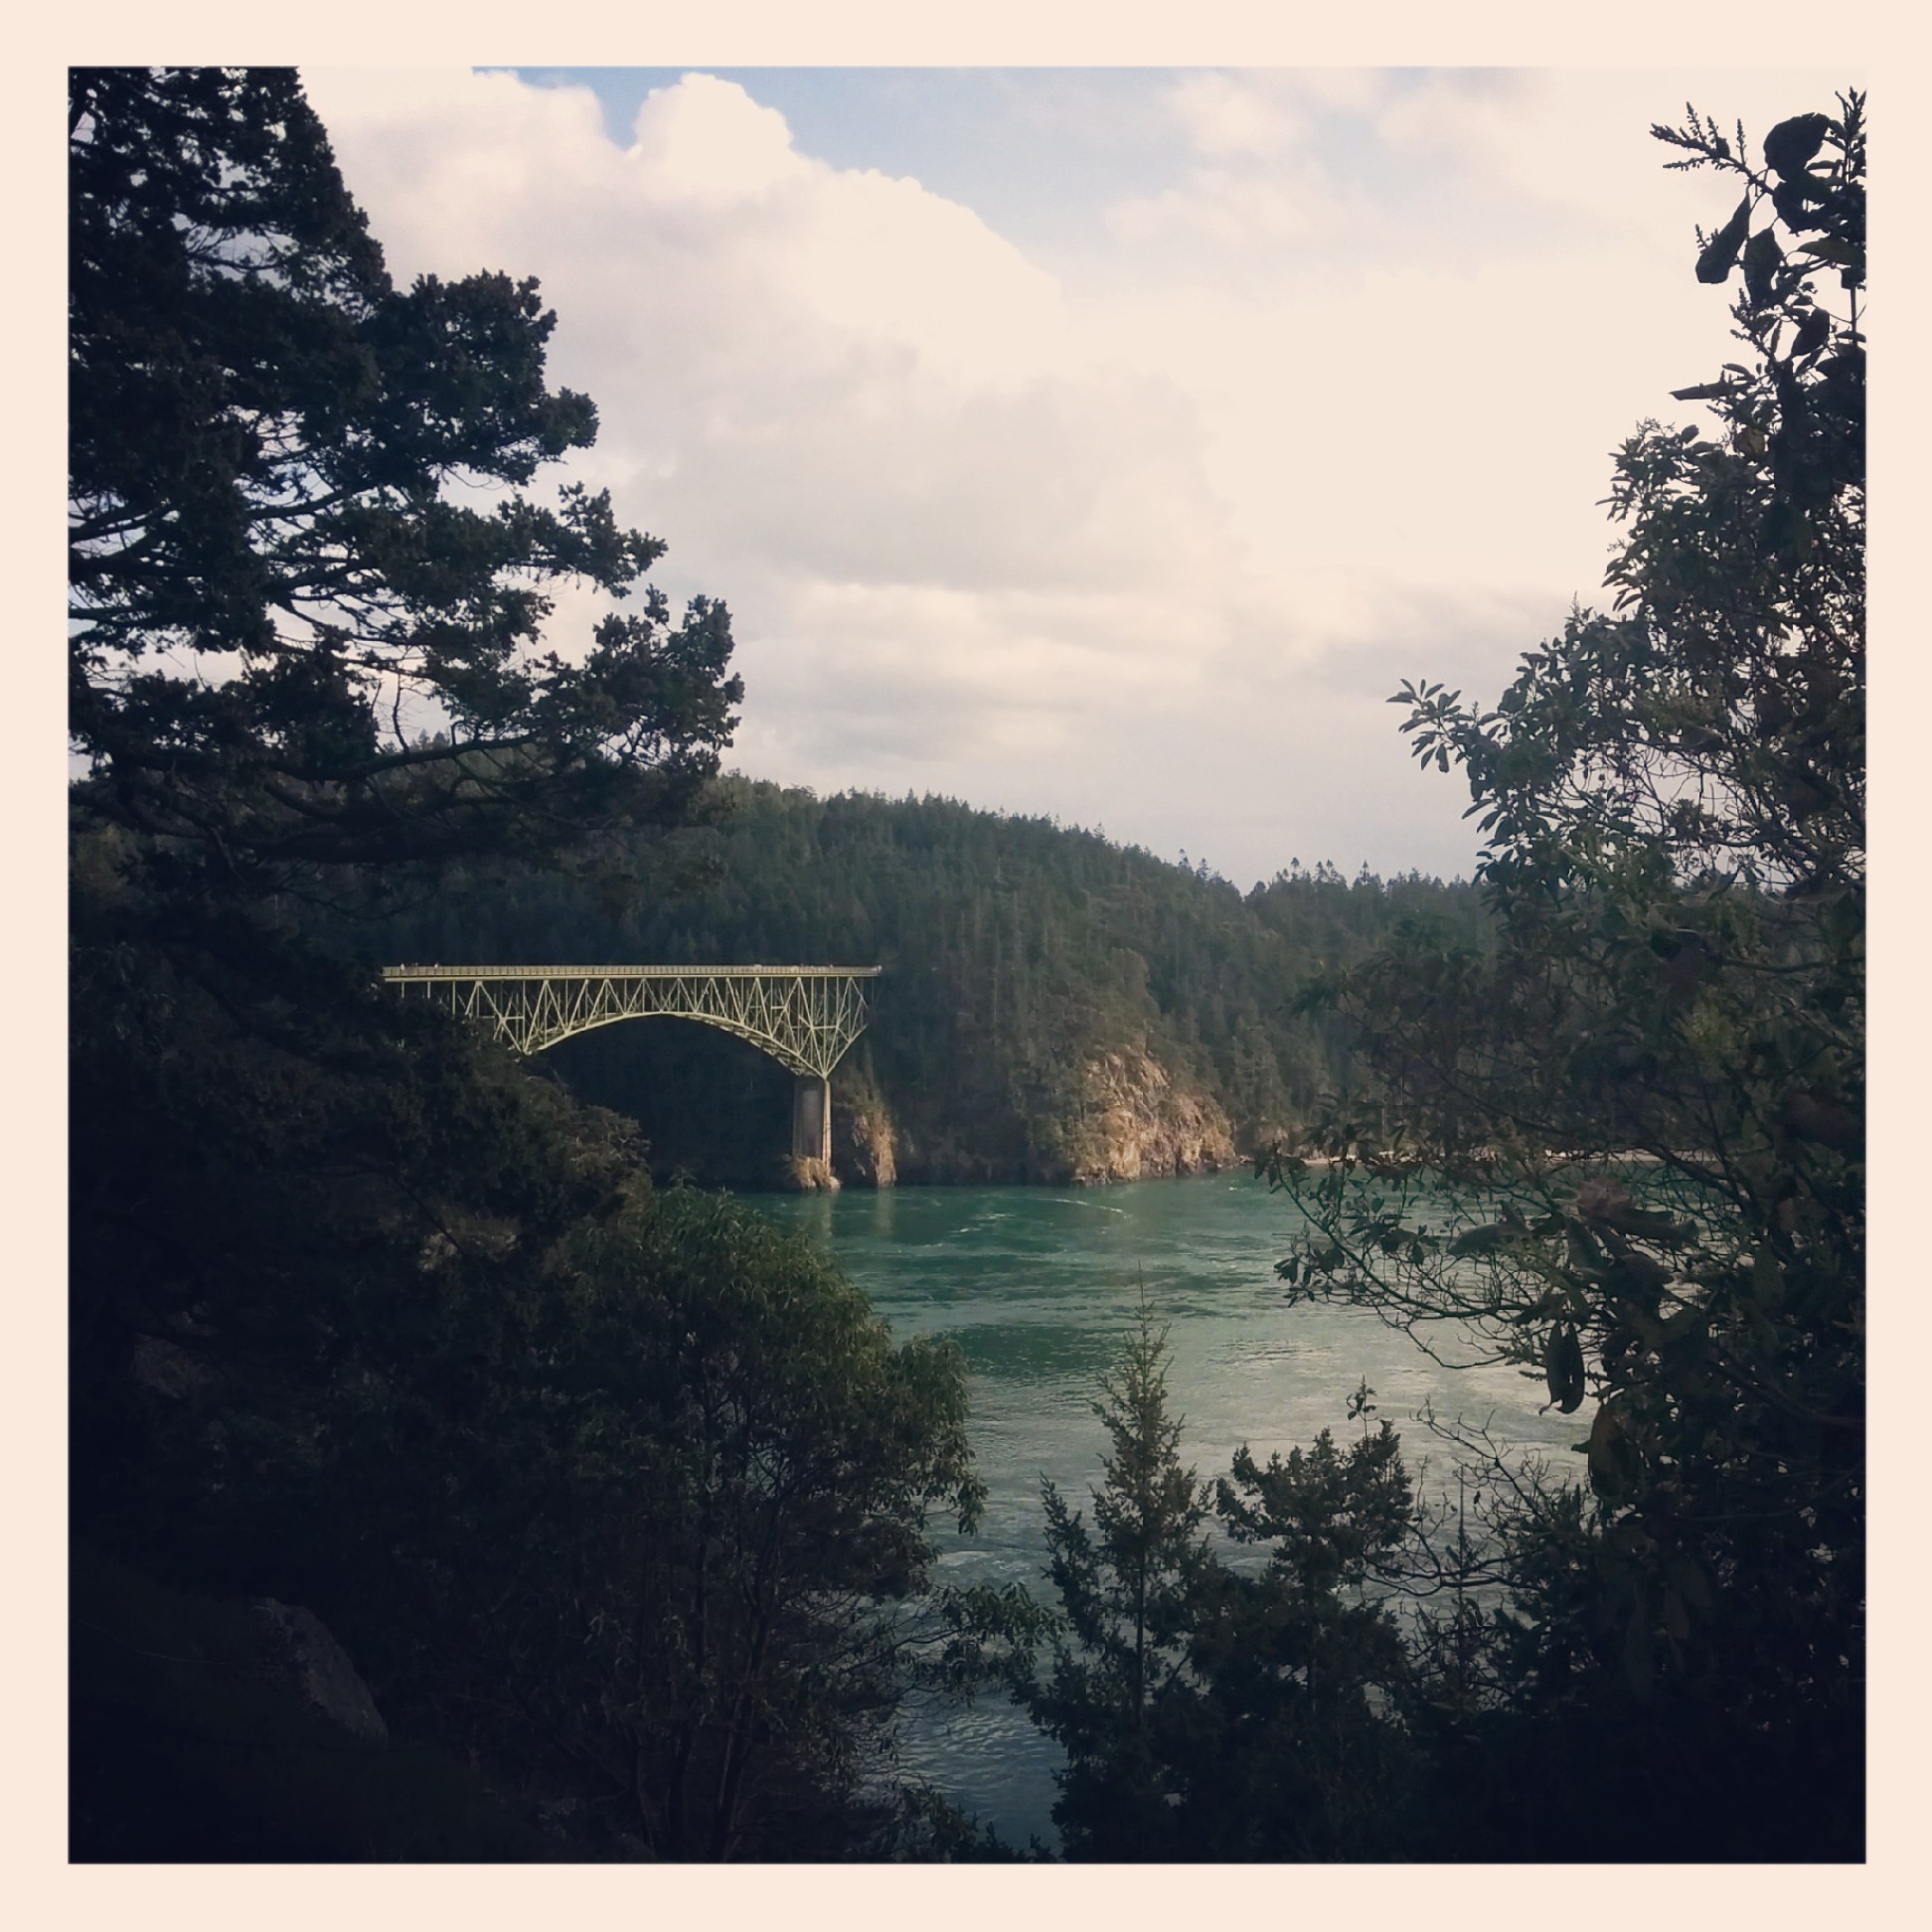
<point x="1105" y="443"/>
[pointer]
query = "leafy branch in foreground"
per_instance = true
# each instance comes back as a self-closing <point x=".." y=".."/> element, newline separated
<point x="1626" y="1148"/>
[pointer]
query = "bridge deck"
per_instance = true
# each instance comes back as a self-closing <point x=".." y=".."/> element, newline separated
<point x="629" y="972"/>
<point x="804" y="1017"/>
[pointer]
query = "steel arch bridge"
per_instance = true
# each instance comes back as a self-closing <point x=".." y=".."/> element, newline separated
<point x="805" y="1017"/>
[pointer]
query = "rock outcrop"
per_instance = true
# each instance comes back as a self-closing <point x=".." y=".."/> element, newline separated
<point x="869" y="1154"/>
<point x="1128" y="1121"/>
<point x="809" y="1176"/>
<point x="298" y="1652"/>
<point x="1109" y="1115"/>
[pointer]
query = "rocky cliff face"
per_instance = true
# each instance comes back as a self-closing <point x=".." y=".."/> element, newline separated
<point x="1107" y="1115"/>
<point x="1128" y="1121"/>
<point x="868" y="1153"/>
<point x="867" y="1139"/>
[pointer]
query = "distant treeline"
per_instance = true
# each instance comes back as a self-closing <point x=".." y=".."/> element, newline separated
<point x="1018" y="955"/>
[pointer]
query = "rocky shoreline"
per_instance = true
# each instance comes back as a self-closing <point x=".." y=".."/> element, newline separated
<point x="1120" y="1116"/>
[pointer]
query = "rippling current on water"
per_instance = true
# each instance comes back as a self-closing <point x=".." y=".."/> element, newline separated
<point x="1039" y="1290"/>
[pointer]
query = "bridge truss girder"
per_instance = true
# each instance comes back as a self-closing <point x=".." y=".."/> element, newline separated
<point x="805" y="1017"/>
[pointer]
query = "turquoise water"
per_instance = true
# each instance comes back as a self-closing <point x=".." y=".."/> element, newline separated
<point x="1040" y="1289"/>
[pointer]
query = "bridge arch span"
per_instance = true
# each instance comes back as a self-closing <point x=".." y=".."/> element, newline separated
<point x="804" y="1017"/>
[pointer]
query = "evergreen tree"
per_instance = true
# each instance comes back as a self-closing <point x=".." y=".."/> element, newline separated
<point x="611" y="1493"/>
<point x="1303" y="1667"/>
<point x="1117" y="1692"/>
<point x="293" y="644"/>
<point x="1211" y="1710"/>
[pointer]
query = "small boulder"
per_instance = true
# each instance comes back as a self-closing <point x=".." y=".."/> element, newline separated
<point x="297" y="1650"/>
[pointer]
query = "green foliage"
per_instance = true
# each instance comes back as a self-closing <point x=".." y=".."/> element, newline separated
<point x="722" y="1474"/>
<point x="1210" y="1710"/>
<point x="1020" y="956"/>
<point x="1627" y="1146"/>
<point x="1117" y="1689"/>
<point x="279" y="584"/>
<point x="1303" y="1666"/>
<point x="612" y="1493"/>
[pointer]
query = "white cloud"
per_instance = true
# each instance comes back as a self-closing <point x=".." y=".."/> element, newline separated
<point x="1233" y="210"/>
<point x="706" y="142"/>
<point x="1137" y="534"/>
<point x="1227" y="114"/>
<point x="806" y="375"/>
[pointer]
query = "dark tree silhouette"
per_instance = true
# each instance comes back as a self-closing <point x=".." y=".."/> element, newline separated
<point x="1673" y="793"/>
<point x="306" y="572"/>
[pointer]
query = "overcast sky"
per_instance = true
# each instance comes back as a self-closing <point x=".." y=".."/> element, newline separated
<point x="1106" y="444"/>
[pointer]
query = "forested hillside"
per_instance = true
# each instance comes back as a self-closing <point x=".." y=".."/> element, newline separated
<point x="1055" y="1007"/>
<point x="439" y="1487"/>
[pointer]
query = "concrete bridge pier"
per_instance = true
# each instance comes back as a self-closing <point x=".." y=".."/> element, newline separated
<point x="812" y="1118"/>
